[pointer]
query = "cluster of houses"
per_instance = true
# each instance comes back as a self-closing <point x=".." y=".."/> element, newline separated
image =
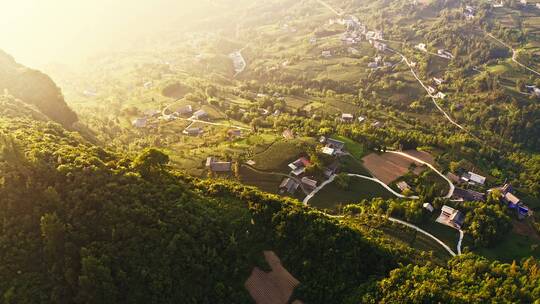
<point x="349" y="118"/>
<point x="298" y="168"/>
<point x="378" y="62"/>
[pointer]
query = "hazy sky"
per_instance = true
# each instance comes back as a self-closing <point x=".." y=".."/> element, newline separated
<point x="37" y="32"/>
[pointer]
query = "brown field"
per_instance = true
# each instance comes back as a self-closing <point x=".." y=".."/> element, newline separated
<point x="421" y="155"/>
<point x="388" y="166"/>
<point x="274" y="287"/>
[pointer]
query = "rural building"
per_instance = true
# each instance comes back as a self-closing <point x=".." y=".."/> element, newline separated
<point x="331" y="170"/>
<point x="428" y="207"/>
<point x="233" y="133"/>
<point x="468" y="195"/>
<point x="152" y="113"/>
<point x="312" y="40"/>
<point x="199" y="114"/>
<point x="193" y="131"/>
<point x="438" y="81"/>
<point x="451" y="217"/>
<point x="430" y="89"/>
<point x="514" y="202"/>
<point x="274" y="287"/>
<point x="288" y="134"/>
<point x="347" y="117"/>
<point x="377" y="124"/>
<point x="445" y="54"/>
<point x="440" y="95"/>
<point x="332" y="146"/>
<point x="326" y="54"/>
<point x="421" y="47"/>
<point x="361" y="119"/>
<point x="373" y="65"/>
<point x="473" y="178"/>
<point x="184" y="110"/>
<point x="299" y="166"/>
<point x="402" y="185"/>
<point x="218" y="166"/>
<point x="309" y="182"/>
<point x="139" y="122"/>
<point x="288" y="185"/>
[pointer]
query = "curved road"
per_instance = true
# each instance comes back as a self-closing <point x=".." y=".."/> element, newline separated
<point x="514" y="54"/>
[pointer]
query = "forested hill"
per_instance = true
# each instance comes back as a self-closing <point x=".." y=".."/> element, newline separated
<point x="34" y="88"/>
<point x="80" y="224"/>
<point x="85" y="225"/>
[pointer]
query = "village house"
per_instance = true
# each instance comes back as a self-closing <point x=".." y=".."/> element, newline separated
<point x="421" y="47"/>
<point x="152" y="113"/>
<point x="193" y="131"/>
<point x="298" y="166"/>
<point x="513" y="201"/>
<point x="310" y="183"/>
<point x="218" y="166"/>
<point x="288" y="185"/>
<point x="501" y="4"/>
<point x="326" y="54"/>
<point x="428" y="207"/>
<point x="288" y="134"/>
<point x="377" y="124"/>
<point x="139" y="122"/>
<point x="445" y="54"/>
<point x="373" y="65"/>
<point x="234" y="133"/>
<point x="184" y="110"/>
<point x="361" y="119"/>
<point x="332" y="146"/>
<point x="430" y="89"/>
<point x="451" y="217"/>
<point x="379" y="45"/>
<point x="312" y="40"/>
<point x="468" y="195"/>
<point x="439" y="95"/>
<point x="438" y="81"/>
<point x="200" y="114"/>
<point x="347" y="118"/>
<point x="473" y="178"/>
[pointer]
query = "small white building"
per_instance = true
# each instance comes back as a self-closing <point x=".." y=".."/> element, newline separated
<point x="473" y="178"/>
<point x="326" y="54"/>
<point x="347" y="117"/>
<point x="440" y="95"/>
<point x="421" y="47"/>
<point x="139" y="122"/>
<point x="361" y="119"/>
<point x="428" y="207"/>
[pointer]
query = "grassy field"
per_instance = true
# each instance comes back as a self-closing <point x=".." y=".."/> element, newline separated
<point x="356" y="149"/>
<point x="265" y="182"/>
<point x="512" y="247"/>
<point x="332" y="196"/>
<point x="277" y="156"/>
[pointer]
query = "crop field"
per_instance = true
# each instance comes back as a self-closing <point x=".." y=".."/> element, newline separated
<point x="331" y="196"/>
<point x="387" y="166"/>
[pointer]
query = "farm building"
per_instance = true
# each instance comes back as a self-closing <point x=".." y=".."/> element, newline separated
<point x="468" y="195"/>
<point x="299" y="166"/>
<point x="193" y="131"/>
<point x="451" y="217"/>
<point x="288" y="185"/>
<point x="347" y="117"/>
<point x="184" y="110"/>
<point x="217" y="166"/>
<point x="288" y="134"/>
<point x="233" y="133"/>
<point x="199" y="114"/>
<point x="309" y="182"/>
<point x="139" y="122"/>
<point x="332" y="146"/>
<point x="428" y="207"/>
<point x="473" y="178"/>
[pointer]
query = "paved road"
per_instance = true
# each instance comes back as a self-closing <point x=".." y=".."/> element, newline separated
<point x="461" y="233"/>
<point x="395" y="220"/>
<point x="514" y="54"/>
<point x="450" y="184"/>
<point x="425" y="88"/>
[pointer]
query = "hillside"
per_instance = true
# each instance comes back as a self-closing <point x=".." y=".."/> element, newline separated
<point x="85" y="225"/>
<point x="34" y="88"/>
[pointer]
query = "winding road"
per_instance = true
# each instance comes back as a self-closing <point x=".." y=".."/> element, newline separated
<point x="514" y="54"/>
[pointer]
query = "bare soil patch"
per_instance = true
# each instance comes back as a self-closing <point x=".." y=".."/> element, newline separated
<point x="388" y="166"/>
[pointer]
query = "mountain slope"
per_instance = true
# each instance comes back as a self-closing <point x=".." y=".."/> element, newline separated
<point x="35" y="88"/>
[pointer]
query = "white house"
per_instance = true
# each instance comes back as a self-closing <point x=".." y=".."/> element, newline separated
<point x="421" y="47"/>
<point x="139" y="122"/>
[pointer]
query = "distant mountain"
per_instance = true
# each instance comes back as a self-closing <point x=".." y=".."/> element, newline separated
<point x="34" y="88"/>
